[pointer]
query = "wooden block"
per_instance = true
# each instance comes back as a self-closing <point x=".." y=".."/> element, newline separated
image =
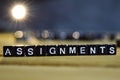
<point x="92" y="50"/>
<point x="8" y="51"/>
<point x="51" y="50"/>
<point x="102" y="49"/>
<point x="83" y="50"/>
<point x="111" y="49"/>
<point x="30" y="51"/>
<point x="19" y="51"/>
<point x="62" y="50"/>
<point x="72" y="50"/>
<point x="40" y="50"/>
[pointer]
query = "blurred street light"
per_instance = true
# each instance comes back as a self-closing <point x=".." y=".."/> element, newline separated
<point x="76" y="35"/>
<point x="45" y="34"/>
<point x="19" y="34"/>
<point x="19" y="12"/>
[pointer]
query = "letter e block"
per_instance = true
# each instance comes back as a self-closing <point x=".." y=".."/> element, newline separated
<point x="83" y="50"/>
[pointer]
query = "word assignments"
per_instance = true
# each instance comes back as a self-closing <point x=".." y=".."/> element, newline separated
<point x="59" y="50"/>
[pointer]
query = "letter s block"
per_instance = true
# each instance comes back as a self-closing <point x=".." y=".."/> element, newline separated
<point x="111" y="49"/>
<point x="19" y="51"/>
<point x="30" y="51"/>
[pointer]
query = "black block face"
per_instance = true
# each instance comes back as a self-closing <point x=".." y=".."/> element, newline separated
<point x="102" y="49"/>
<point x="83" y="50"/>
<point x="30" y="51"/>
<point x="8" y="51"/>
<point x="40" y="51"/>
<point x="51" y="50"/>
<point x="62" y="50"/>
<point x="72" y="50"/>
<point x="19" y="51"/>
<point x="92" y="49"/>
<point x="111" y="49"/>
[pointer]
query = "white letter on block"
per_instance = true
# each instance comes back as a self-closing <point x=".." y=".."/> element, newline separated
<point x="92" y="50"/>
<point x="50" y="50"/>
<point x="62" y="51"/>
<point x="112" y="50"/>
<point x="19" y="51"/>
<point x="102" y="49"/>
<point x="82" y="50"/>
<point x="72" y="50"/>
<point x="7" y="52"/>
<point x="30" y="51"/>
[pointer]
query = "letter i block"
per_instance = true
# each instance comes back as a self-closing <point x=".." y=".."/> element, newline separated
<point x="40" y="51"/>
<point x="30" y="51"/>
<point x="51" y="50"/>
<point x="19" y="51"/>
<point x="8" y="51"/>
<point x="111" y="49"/>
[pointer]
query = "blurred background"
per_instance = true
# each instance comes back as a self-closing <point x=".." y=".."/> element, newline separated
<point x="53" y="22"/>
<point x="64" y="15"/>
<point x="61" y="19"/>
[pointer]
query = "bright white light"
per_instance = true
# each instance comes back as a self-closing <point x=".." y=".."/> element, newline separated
<point x="18" y="12"/>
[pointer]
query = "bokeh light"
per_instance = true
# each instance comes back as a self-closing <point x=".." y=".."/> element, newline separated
<point x="19" y="34"/>
<point x="19" y="11"/>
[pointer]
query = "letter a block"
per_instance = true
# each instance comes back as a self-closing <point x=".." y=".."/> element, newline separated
<point x="8" y="51"/>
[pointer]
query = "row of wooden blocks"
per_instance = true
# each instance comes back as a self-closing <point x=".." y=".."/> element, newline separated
<point x="59" y="50"/>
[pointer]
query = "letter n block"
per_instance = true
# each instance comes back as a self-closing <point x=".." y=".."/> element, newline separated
<point x="93" y="50"/>
<point x="62" y="50"/>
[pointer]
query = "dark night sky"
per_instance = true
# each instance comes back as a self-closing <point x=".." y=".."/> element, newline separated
<point x="65" y="15"/>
